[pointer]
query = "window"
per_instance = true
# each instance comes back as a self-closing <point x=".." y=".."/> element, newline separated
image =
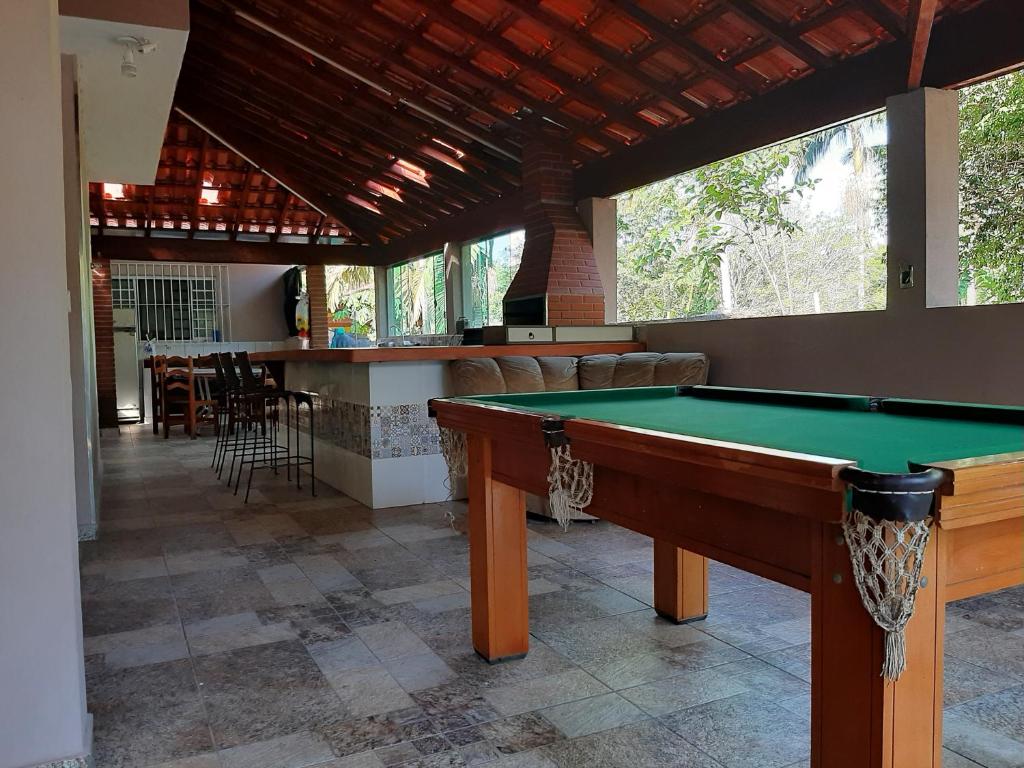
<point x="416" y="297"/>
<point x="991" y="178"/>
<point x="488" y="267"/>
<point x="794" y="228"/>
<point x="173" y="302"/>
<point x="351" y="300"/>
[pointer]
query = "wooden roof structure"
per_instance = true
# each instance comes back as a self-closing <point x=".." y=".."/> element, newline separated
<point x="398" y="124"/>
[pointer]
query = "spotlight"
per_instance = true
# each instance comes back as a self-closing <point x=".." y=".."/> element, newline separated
<point x="132" y="46"/>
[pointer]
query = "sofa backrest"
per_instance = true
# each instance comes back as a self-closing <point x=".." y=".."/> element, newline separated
<point x="501" y="375"/>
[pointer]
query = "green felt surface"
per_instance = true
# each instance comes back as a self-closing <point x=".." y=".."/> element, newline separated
<point x="839" y="426"/>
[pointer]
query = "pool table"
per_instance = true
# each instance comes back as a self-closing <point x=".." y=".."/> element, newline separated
<point x="755" y="479"/>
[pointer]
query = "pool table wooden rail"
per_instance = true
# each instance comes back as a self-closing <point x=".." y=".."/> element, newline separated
<point x="769" y="512"/>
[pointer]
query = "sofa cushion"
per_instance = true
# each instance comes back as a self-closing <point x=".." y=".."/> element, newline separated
<point x="676" y="368"/>
<point x="477" y="376"/>
<point x="560" y="373"/>
<point x="521" y="374"/>
<point x="642" y="369"/>
<point x="597" y="371"/>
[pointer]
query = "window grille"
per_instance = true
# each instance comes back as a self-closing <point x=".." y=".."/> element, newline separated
<point x="174" y="302"/>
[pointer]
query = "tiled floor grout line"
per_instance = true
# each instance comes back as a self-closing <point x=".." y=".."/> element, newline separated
<point x="192" y="665"/>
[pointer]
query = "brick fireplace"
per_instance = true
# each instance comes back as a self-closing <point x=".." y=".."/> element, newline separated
<point x="558" y="281"/>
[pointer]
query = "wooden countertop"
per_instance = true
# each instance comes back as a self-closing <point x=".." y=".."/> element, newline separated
<point x="409" y="354"/>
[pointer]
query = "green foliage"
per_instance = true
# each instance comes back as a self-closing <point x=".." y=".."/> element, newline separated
<point x="674" y="234"/>
<point x="740" y="236"/>
<point x="417" y="296"/>
<point x="350" y="293"/>
<point x="991" y="185"/>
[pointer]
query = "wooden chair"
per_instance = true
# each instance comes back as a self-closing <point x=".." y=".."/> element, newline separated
<point x="177" y="393"/>
<point x="207" y="393"/>
<point x="154" y="390"/>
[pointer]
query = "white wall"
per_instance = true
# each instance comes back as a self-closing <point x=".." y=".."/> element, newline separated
<point x="81" y="335"/>
<point x="257" y="302"/>
<point x="42" y="686"/>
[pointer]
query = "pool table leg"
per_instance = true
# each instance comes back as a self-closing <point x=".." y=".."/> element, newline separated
<point x="859" y="720"/>
<point x="497" y="559"/>
<point x="680" y="583"/>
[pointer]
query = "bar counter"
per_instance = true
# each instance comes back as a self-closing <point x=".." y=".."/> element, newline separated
<point x="374" y="440"/>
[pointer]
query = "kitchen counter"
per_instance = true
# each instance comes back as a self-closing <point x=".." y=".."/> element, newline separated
<point x="411" y="354"/>
<point x="375" y="440"/>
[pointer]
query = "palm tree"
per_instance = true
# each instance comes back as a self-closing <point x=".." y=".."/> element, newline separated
<point x="852" y="138"/>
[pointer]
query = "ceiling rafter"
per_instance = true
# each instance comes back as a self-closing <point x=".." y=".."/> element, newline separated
<point x="878" y="10"/>
<point x="778" y="33"/>
<point x="609" y="56"/>
<point x="372" y="77"/>
<point x="243" y="200"/>
<point x="301" y="154"/>
<point x="358" y="171"/>
<point x="571" y="87"/>
<point x="329" y="205"/>
<point x="360" y="115"/>
<point x="499" y="85"/>
<point x="921" y="17"/>
<point x="686" y="46"/>
<point x="200" y="170"/>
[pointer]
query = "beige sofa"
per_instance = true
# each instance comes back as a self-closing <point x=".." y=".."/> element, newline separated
<point x="503" y="375"/>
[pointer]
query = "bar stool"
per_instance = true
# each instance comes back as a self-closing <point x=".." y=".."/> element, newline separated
<point x="309" y="399"/>
<point x="261" y="416"/>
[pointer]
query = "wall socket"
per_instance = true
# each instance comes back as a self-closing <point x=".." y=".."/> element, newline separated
<point x="906" y="275"/>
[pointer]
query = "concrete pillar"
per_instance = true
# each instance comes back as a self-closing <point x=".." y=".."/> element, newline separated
<point x="316" y="290"/>
<point x="923" y="170"/>
<point x="599" y="216"/>
<point x="453" y="284"/>
<point x="380" y="296"/>
<point x="42" y="683"/>
<point x="80" y="325"/>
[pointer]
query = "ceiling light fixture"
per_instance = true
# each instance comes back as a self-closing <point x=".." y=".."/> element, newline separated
<point x="134" y="46"/>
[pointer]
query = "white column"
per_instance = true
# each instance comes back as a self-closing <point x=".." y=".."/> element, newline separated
<point x="380" y="298"/>
<point x="80" y="326"/>
<point x="42" y="687"/>
<point x="453" y="284"/>
<point x="923" y="171"/>
<point x="599" y="217"/>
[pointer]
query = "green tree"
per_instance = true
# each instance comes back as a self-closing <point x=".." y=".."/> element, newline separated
<point x="675" y="236"/>
<point x="991" y="189"/>
<point x="350" y="293"/>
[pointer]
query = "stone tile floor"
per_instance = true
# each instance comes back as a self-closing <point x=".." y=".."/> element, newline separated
<point x="315" y="632"/>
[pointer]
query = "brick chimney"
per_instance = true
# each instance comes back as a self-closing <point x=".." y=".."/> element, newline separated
<point x="557" y="282"/>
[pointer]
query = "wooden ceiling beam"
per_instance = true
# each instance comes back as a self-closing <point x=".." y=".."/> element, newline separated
<point x="921" y="17"/>
<point x="359" y="117"/>
<point x="225" y="251"/>
<point x="686" y="46"/>
<point x="255" y="152"/>
<point x="878" y="10"/>
<point x="243" y="200"/>
<point x="609" y="56"/>
<point x="854" y="86"/>
<point x="412" y="37"/>
<point x="280" y="28"/>
<point x="354" y="177"/>
<point x="358" y="173"/>
<point x="572" y="87"/>
<point x="275" y="60"/>
<point x="200" y="170"/>
<point x="481" y="221"/>
<point x="778" y="33"/>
